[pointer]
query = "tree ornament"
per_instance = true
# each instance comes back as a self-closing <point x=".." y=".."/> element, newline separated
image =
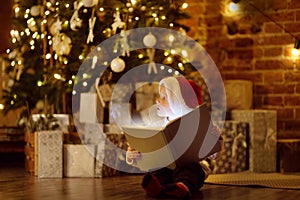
<point x="117" y="22"/>
<point x="61" y="44"/>
<point x="152" y="65"/>
<point x="56" y="27"/>
<point x="32" y="25"/>
<point x="125" y="45"/>
<point x="90" y="37"/>
<point x="40" y="105"/>
<point x="20" y="69"/>
<point x="149" y="40"/>
<point x="10" y="82"/>
<point x="35" y="10"/>
<point x="117" y="65"/>
<point x="89" y="3"/>
<point x="75" y="21"/>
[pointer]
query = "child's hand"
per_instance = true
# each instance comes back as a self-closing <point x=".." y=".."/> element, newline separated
<point x="132" y="155"/>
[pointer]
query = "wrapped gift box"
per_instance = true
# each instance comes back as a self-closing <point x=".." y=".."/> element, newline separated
<point x="146" y="94"/>
<point x="288" y="155"/>
<point x="262" y="135"/>
<point x="49" y="151"/>
<point x="79" y="160"/>
<point x="234" y="155"/>
<point x="110" y="156"/>
<point x="239" y="94"/>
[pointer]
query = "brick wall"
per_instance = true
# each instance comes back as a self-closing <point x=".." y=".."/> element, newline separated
<point x="255" y="49"/>
<point x="5" y="16"/>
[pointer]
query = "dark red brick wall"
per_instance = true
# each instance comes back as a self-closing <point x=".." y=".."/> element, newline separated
<point x="259" y="51"/>
<point x="5" y="21"/>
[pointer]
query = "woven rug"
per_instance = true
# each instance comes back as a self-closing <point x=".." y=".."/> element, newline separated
<point x="272" y="180"/>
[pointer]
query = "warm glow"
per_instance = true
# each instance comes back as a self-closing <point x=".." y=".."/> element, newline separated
<point x="171" y="38"/>
<point x="184" y="5"/>
<point x="233" y="7"/>
<point x="48" y="56"/>
<point x="184" y="53"/>
<point x="133" y="2"/>
<point x="39" y="83"/>
<point x="84" y="75"/>
<point x="57" y="76"/>
<point x="1" y="106"/>
<point x="295" y="52"/>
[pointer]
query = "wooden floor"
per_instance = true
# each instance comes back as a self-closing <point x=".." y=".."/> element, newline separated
<point x="16" y="184"/>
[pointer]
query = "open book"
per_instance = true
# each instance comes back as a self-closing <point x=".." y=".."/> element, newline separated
<point x="189" y="138"/>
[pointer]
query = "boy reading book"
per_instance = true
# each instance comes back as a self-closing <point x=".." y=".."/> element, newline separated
<point x="177" y="97"/>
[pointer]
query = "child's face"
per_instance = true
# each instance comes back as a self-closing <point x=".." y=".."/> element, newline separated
<point x="163" y="107"/>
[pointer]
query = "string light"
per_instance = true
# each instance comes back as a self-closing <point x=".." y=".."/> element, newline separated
<point x="133" y="2"/>
<point x="171" y="38"/>
<point x="184" y="5"/>
<point x="297" y="42"/>
<point x="59" y="77"/>
<point x="1" y="106"/>
<point x="295" y="52"/>
<point x="233" y="7"/>
<point x="39" y="83"/>
<point x="140" y="56"/>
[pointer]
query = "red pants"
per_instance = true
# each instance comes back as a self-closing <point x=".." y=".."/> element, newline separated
<point x="191" y="174"/>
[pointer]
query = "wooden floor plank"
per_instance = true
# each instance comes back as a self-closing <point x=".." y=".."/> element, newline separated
<point x="16" y="184"/>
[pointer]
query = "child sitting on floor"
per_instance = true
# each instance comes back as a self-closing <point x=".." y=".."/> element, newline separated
<point x="178" y="97"/>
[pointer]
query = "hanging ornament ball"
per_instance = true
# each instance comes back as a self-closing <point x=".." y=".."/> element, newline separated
<point x="35" y="10"/>
<point x="89" y="3"/>
<point x="117" y="65"/>
<point x="149" y="40"/>
<point x="10" y="82"/>
<point x="40" y="105"/>
<point x="130" y="9"/>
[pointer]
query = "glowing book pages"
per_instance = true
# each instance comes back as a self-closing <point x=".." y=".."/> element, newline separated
<point x="186" y="139"/>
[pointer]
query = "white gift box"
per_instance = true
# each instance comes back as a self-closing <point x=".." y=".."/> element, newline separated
<point x="110" y="156"/>
<point x="49" y="154"/>
<point x="263" y="138"/>
<point x="79" y="160"/>
<point x="91" y="110"/>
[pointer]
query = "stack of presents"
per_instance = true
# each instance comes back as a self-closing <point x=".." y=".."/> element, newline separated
<point x="97" y="148"/>
<point x="92" y="148"/>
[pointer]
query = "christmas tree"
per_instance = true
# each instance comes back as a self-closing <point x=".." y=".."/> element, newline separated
<point x="52" y="39"/>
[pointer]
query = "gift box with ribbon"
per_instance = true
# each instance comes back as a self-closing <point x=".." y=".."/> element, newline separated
<point x="110" y="155"/>
<point x="262" y="135"/>
<point x="234" y="155"/>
